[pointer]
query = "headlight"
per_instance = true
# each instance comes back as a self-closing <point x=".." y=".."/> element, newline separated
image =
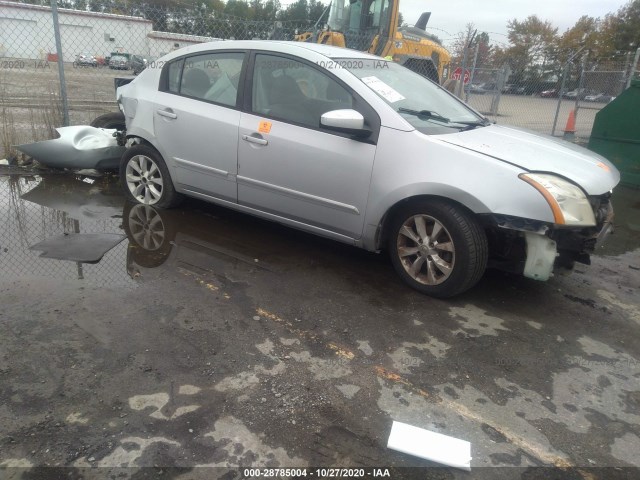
<point x="568" y="203"/>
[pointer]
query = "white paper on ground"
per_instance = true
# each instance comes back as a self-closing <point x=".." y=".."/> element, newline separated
<point x="385" y="91"/>
<point x="4" y="162"/>
<point x="433" y="446"/>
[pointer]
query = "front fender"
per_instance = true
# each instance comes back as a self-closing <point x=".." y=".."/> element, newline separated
<point x="410" y="164"/>
<point x="449" y="192"/>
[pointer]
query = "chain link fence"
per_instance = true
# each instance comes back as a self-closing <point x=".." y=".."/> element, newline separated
<point x="543" y="104"/>
<point x="27" y="221"/>
<point x="96" y="47"/>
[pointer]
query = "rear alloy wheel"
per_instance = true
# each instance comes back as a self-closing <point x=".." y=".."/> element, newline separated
<point x="437" y="248"/>
<point x="151" y="234"/>
<point x="146" y="179"/>
<point x="147" y="228"/>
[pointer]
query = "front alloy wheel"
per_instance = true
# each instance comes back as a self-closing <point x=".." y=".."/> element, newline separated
<point x="426" y="250"/>
<point x="437" y="248"/>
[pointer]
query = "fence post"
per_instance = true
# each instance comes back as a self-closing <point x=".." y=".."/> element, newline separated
<point x="63" y="83"/>
<point x="467" y="46"/>
<point x="460" y="86"/>
<point x="633" y="67"/>
<point x="473" y="71"/>
<point x="583" y="66"/>
<point x="497" y="94"/>
<point x="565" y="72"/>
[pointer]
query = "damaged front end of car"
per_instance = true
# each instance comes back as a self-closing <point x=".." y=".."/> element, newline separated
<point x="536" y="249"/>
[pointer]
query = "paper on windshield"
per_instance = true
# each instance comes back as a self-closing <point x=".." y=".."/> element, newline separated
<point x="385" y="91"/>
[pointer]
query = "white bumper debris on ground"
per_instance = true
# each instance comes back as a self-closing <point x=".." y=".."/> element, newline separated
<point x="433" y="446"/>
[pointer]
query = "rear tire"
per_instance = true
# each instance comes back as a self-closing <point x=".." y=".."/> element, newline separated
<point x="145" y="178"/>
<point x="110" y="121"/>
<point x="437" y="248"/>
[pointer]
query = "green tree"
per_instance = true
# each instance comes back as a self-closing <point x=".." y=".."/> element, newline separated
<point x="296" y="12"/>
<point x="316" y="9"/>
<point x="532" y="42"/>
<point x="620" y="31"/>
<point x="584" y="34"/>
<point x="461" y="42"/>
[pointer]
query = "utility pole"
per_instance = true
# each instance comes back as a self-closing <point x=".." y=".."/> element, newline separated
<point x="460" y="88"/>
<point x="473" y="70"/>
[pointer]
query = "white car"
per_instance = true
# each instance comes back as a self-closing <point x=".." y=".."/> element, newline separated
<point x="361" y="150"/>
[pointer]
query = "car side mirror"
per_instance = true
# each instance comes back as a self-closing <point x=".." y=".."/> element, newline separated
<point x="345" y="121"/>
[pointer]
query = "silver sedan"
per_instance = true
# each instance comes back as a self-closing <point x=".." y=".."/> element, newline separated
<point x="361" y="150"/>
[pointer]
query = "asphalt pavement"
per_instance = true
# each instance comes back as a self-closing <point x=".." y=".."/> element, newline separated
<point x="211" y="339"/>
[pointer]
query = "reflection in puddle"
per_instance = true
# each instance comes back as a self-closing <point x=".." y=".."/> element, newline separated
<point x="35" y="209"/>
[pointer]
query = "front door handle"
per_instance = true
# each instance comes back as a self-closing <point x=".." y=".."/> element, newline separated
<point x="256" y="140"/>
<point x="167" y="113"/>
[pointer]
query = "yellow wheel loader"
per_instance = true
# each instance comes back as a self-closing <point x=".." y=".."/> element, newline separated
<point x="372" y="26"/>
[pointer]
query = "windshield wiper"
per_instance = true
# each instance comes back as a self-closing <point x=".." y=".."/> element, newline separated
<point x="425" y="114"/>
<point x="473" y="124"/>
<point x="429" y="114"/>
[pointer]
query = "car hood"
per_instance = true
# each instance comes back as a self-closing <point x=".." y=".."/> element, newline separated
<point x="540" y="153"/>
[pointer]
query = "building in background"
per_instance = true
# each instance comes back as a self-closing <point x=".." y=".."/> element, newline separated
<point x="26" y="32"/>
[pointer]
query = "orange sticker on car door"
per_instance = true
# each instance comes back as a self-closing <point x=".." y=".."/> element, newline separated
<point x="264" y="127"/>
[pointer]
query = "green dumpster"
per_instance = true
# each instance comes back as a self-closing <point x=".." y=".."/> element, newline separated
<point x="616" y="134"/>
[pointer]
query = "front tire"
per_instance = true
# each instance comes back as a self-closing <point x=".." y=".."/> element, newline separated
<point x="437" y="248"/>
<point x="145" y="178"/>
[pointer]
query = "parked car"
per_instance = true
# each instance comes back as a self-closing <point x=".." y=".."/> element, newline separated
<point x="599" y="97"/>
<point x="85" y="60"/>
<point x="482" y="88"/>
<point x="514" y="89"/>
<point x="580" y="93"/>
<point x="138" y="63"/>
<point x="119" y="62"/>
<point x="289" y="132"/>
<point x="553" y="93"/>
<point x="477" y="88"/>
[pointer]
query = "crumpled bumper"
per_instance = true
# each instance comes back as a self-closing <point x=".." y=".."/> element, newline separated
<point x="78" y="147"/>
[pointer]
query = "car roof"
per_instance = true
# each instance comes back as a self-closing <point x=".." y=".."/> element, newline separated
<point x="278" y="46"/>
<point x="329" y="50"/>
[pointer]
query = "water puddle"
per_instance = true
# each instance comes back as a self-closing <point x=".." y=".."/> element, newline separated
<point x="35" y="209"/>
<point x="198" y="238"/>
<point x="40" y="211"/>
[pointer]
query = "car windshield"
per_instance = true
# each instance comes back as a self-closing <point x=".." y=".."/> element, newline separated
<point x="425" y="105"/>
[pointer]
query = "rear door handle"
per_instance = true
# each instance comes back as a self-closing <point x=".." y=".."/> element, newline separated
<point x="167" y="113"/>
<point x="256" y="140"/>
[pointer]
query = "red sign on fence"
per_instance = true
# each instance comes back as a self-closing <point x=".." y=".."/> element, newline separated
<point x="457" y="73"/>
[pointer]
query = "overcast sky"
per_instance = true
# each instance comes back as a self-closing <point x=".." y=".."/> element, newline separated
<point x="451" y="16"/>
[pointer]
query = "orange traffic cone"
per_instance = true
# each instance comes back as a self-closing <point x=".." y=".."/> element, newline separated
<point x="570" y="129"/>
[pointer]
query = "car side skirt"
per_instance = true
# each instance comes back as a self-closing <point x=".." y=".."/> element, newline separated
<point x="270" y="216"/>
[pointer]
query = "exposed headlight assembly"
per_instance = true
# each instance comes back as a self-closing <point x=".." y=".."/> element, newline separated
<point x="568" y="203"/>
